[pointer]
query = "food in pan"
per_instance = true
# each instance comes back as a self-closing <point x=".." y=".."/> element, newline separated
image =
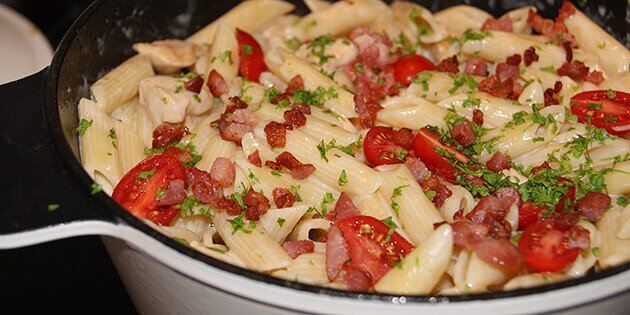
<point x="376" y="147"/>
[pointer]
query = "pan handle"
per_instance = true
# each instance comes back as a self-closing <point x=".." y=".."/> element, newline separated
<point x="41" y="199"/>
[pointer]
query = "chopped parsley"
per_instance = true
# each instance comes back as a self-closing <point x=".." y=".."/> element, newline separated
<point x="461" y="80"/>
<point x="343" y="178"/>
<point x="314" y="98"/>
<point x="247" y="50"/>
<point x="112" y="135"/>
<point x="323" y="147"/>
<point x="611" y="94"/>
<point x="146" y="174"/>
<point x="549" y="69"/>
<point x="83" y="126"/>
<point x="225" y="57"/>
<point x="622" y="201"/>
<point x="270" y="94"/>
<point x="397" y="192"/>
<point x="317" y="48"/>
<point x="293" y="43"/>
<point x="96" y="188"/>
<point x="422" y="78"/>
<point x="191" y="206"/>
<point x="281" y="221"/>
<point x="238" y="224"/>
<point x="359" y="67"/>
<point x="333" y="113"/>
<point x="276" y="173"/>
<point x="595" y="251"/>
<point x="295" y="190"/>
<point x="392" y="227"/>
<point x="252" y="178"/>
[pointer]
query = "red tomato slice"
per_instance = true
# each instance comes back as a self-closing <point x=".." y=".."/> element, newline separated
<point x="545" y="247"/>
<point x="251" y="55"/>
<point x="424" y="146"/>
<point x="606" y="109"/>
<point x="163" y="217"/>
<point x="136" y="191"/>
<point x="371" y="249"/>
<point x="406" y="67"/>
<point x="570" y="196"/>
<point x="528" y="214"/>
<point x="379" y="147"/>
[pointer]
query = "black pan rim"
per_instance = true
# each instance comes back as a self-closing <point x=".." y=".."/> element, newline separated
<point x="109" y="205"/>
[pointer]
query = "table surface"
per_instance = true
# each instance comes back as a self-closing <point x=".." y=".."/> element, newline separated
<point x="73" y="276"/>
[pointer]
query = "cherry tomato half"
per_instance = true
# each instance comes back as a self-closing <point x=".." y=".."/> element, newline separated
<point x="606" y="109"/>
<point x="373" y="248"/>
<point x="137" y="190"/>
<point x="406" y="67"/>
<point x="251" y="56"/>
<point x="425" y="145"/>
<point x="379" y="147"/>
<point x="545" y="247"/>
<point x="529" y="214"/>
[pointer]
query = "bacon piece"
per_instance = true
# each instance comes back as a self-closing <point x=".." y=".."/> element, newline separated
<point x="550" y="94"/>
<point x="449" y="65"/>
<point x="565" y="220"/>
<point x="257" y="205"/>
<point x="166" y="133"/>
<point x="555" y="31"/>
<point x="593" y="205"/>
<point x="373" y="48"/>
<point x="281" y="97"/>
<point x="404" y="138"/>
<point x="282" y="197"/>
<point x="507" y="71"/>
<point x="366" y="107"/>
<point x="296" y="168"/>
<point x="540" y="167"/>
<point x="175" y="193"/>
<point x="223" y="171"/>
<point x="489" y="208"/>
<point x="254" y="158"/>
<point x="495" y="87"/>
<point x="499" y="162"/>
<point x="302" y="171"/>
<point x="336" y="252"/>
<point x="297" y="248"/>
<point x="473" y="180"/>
<point x="513" y="60"/>
<point x="232" y="131"/>
<point x="417" y="168"/>
<point x="202" y="186"/>
<point x="230" y="206"/>
<point x="508" y="196"/>
<point x="530" y="55"/>
<point x="216" y="84"/>
<point x="569" y="51"/>
<point x="277" y="134"/>
<point x="182" y="155"/>
<point x="194" y="85"/>
<point x="441" y="194"/>
<point x="579" y="237"/>
<point x="478" y="117"/>
<point x="345" y="207"/>
<point x="296" y="83"/>
<point x="295" y="117"/>
<point x="357" y="280"/>
<point x="305" y="109"/>
<point x="287" y="160"/>
<point x="244" y="116"/>
<point x="476" y="66"/>
<point x="503" y="24"/>
<point x="238" y="103"/>
<point x="578" y="71"/>
<point x="463" y="133"/>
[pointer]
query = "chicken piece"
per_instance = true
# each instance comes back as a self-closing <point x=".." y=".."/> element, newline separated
<point x="170" y="56"/>
<point x="166" y="99"/>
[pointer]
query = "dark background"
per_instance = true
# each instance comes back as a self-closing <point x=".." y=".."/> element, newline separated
<point x="72" y="276"/>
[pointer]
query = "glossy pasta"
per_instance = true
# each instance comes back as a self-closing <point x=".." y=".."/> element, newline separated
<point x="375" y="147"/>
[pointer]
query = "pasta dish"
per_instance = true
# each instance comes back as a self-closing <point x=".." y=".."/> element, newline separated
<point x="375" y="147"/>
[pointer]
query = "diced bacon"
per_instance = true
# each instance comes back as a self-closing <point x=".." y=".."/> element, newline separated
<point x="404" y="138"/>
<point x="567" y="9"/>
<point x="540" y="167"/>
<point x="254" y="158"/>
<point x="223" y="171"/>
<point x="508" y="196"/>
<point x="216" y="84"/>
<point x="430" y="182"/>
<point x="202" y="186"/>
<point x="507" y="71"/>
<point x="238" y="103"/>
<point x="273" y="165"/>
<point x="513" y="60"/>
<point x="287" y="160"/>
<point x="530" y="55"/>
<point x="175" y="193"/>
<point x="194" y="85"/>
<point x="281" y="97"/>
<point x="555" y="31"/>
<point x="569" y="51"/>
<point x="463" y="133"/>
<point x="302" y="171"/>
<point x="277" y="134"/>
<point x="478" y="117"/>
<point x="417" y="169"/>
<point x="296" y="83"/>
<point x="459" y="215"/>
<point x="566" y="220"/>
<point x="166" y="133"/>
<point x="441" y="194"/>
<point x="373" y="48"/>
<point x="345" y="207"/>
<point x="579" y="72"/>
<point x="295" y="117"/>
<point x="232" y="131"/>
<point x="305" y="109"/>
<point x="297" y="248"/>
<point x="489" y="208"/>
<point x="550" y="94"/>
<point x="579" y="237"/>
<point x="357" y="280"/>
<point x="230" y="206"/>
<point x="476" y="66"/>
<point x="593" y="205"/>
<point x="449" y="65"/>
<point x="282" y="197"/>
<point x="595" y="77"/>
<point x="366" y="107"/>
<point x="182" y="155"/>
<point x="475" y="181"/>
<point x="336" y="252"/>
<point x="257" y="205"/>
<point x="503" y="24"/>
<point x="244" y="116"/>
<point x="499" y="162"/>
<point x="497" y="88"/>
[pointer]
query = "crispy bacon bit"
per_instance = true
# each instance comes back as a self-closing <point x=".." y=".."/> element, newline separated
<point x="277" y="134"/>
<point x="463" y="133"/>
<point x="438" y="224"/>
<point x="569" y="51"/>
<point x="366" y="107"/>
<point x="579" y="237"/>
<point x="592" y="205"/>
<point x="357" y="280"/>
<point x="514" y="60"/>
<point x="254" y="158"/>
<point x="273" y="165"/>
<point x="281" y="97"/>
<point x="344" y="208"/>
<point x="295" y="117"/>
<point x="194" y="85"/>
<point x="165" y="134"/>
<point x="282" y="197"/>
<point x="579" y="72"/>
<point x="495" y="87"/>
<point x="509" y="196"/>
<point x="565" y="220"/>
<point x="551" y="94"/>
<point x="492" y="210"/>
<point x="305" y="109"/>
<point x="499" y="162"/>
<point x="540" y="167"/>
<point x="232" y="131"/>
<point x="175" y="193"/>
<point x="238" y="102"/>
<point x="302" y="171"/>
<point x="530" y="56"/>
<point x="441" y="194"/>
<point x="207" y="191"/>
<point x="404" y="137"/>
<point x="336" y="252"/>
<point x="459" y="215"/>
<point x="287" y="160"/>
<point x="216" y="84"/>
<point x="503" y="24"/>
<point x="449" y="65"/>
<point x="417" y="169"/>
<point x="296" y="83"/>
<point x="476" y="66"/>
<point x="296" y="168"/>
<point x="478" y="117"/>
<point x="223" y="171"/>
<point x="507" y="71"/>
<point x="244" y="116"/>
<point x="297" y="248"/>
<point x="554" y="31"/>
<point x="473" y="180"/>
<point x="257" y="205"/>
<point x="182" y="155"/>
<point x="373" y="48"/>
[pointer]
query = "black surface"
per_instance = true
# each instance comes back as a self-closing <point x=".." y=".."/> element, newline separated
<point x="73" y="276"/>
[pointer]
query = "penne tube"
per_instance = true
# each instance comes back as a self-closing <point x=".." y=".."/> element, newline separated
<point x="308" y="268"/>
<point x="278" y="223"/>
<point x="223" y="56"/>
<point x="617" y="180"/>
<point x="129" y="146"/>
<point x="612" y="250"/>
<point x="497" y="111"/>
<point x="414" y="117"/>
<point x="457" y="19"/>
